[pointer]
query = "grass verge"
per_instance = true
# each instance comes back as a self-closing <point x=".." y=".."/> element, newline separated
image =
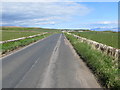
<point x="102" y="65"/>
<point x="10" y="46"/>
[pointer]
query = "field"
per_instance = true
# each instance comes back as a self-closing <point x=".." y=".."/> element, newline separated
<point x="12" y="35"/>
<point x="102" y="65"/>
<point x="9" y="33"/>
<point x="108" y="38"/>
<point x="10" y="46"/>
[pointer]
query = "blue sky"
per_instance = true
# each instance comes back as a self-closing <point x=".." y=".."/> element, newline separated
<point x="70" y="15"/>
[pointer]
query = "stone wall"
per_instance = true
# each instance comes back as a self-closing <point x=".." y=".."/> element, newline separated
<point x="115" y="53"/>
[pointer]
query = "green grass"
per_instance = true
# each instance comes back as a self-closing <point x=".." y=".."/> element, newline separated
<point x="102" y="65"/>
<point x="29" y="29"/>
<point x="108" y="38"/>
<point x="6" y="47"/>
<point x="9" y="33"/>
<point x="13" y="35"/>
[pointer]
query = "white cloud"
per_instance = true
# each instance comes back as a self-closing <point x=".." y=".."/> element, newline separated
<point x="107" y="22"/>
<point x="37" y="23"/>
<point x="45" y="8"/>
<point x="60" y="0"/>
<point x="36" y="20"/>
<point x="18" y="13"/>
<point x="30" y="0"/>
<point x="100" y="24"/>
<point x="3" y="23"/>
<point x="44" y="23"/>
<point x="41" y="21"/>
<point x="104" y="24"/>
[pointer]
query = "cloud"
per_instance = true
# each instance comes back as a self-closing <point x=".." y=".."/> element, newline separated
<point x="30" y="0"/>
<point x="104" y="24"/>
<point x="44" y="8"/>
<point x="60" y="0"/>
<point x="99" y="24"/>
<point x="41" y="13"/>
<point x="3" y="23"/>
<point x="41" y="21"/>
<point x="107" y="22"/>
<point x="37" y="23"/>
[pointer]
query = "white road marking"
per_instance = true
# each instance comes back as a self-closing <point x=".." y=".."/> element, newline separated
<point x="47" y="80"/>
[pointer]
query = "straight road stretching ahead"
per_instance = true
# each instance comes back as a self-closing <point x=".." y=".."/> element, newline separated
<point x="49" y="63"/>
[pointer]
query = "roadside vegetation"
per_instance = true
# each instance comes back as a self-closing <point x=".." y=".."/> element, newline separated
<point x="10" y="46"/>
<point x="9" y="33"/>
<point x="102" y="65"/>
<point x="108" y="38"/>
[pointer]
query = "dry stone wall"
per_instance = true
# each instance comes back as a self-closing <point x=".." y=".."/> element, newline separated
<point x="115" y="53"/>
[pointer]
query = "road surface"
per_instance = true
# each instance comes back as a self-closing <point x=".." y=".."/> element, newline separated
<point x="49" y="63"/>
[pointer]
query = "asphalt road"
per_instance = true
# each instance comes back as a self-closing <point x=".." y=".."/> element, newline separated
<point x="49" y="63"/>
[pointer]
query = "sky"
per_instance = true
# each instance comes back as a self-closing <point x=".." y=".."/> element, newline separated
<point x="60" y="0"/>
<point x="60" y="15"/>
